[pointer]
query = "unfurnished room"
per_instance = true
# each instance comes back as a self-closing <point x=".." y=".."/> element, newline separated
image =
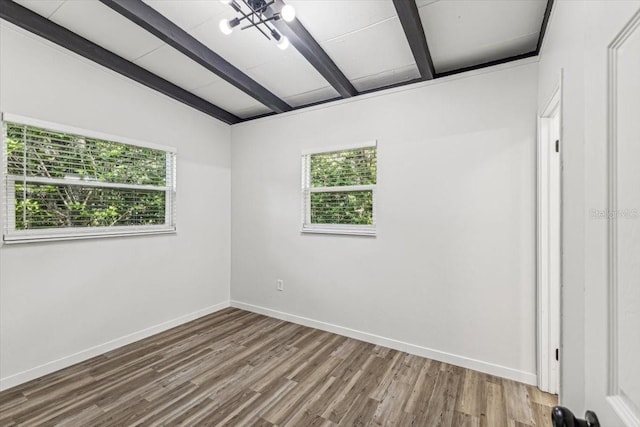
<point x="320" y="213"/>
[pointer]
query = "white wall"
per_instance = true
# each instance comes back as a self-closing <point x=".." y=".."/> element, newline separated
<point x="59" y="299"/>
<point x="451" y="273"/>
<point x="563" y="53"/>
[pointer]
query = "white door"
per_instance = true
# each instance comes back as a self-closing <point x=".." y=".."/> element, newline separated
<point x="612" y="153"/>
<point x="624" y="226"/>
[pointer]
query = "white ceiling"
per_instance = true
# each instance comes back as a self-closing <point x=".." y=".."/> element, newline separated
<point x="94" y="21"/>
<point x="363" y="37"/>
<point x="44" y="8"/>
<point x="462" y="33"/>
<point x="188" y="14"/>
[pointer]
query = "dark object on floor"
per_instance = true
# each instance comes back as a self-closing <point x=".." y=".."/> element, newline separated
<point x="562" y="417"/>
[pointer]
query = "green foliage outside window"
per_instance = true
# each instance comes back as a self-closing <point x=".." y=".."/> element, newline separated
<point x="38" y="154"/>
<point x="344" y="168"/>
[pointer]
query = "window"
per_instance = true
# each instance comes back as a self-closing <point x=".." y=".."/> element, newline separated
<point x="62" y="183"/>
<point x="339" y="190"/>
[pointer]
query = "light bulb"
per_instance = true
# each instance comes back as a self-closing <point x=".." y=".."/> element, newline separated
<point x="225" y="27"/>
<point x="283" y="43"/>
<point x="288" y="13"/>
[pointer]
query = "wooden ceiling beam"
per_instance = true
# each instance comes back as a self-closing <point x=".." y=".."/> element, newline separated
<point x="308" y="47"/>
<point x="412" y="25"/>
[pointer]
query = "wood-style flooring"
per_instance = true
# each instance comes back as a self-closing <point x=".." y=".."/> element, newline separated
<point x="243" y="369"/>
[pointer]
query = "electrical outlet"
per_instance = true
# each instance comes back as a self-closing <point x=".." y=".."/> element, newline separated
<point x="280" y="285"/>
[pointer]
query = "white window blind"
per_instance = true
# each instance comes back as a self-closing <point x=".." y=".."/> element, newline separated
<point x="63" y="183"/>
<point x="339" y="190"/>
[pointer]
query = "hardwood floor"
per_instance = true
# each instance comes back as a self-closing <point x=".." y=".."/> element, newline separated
<point x="239" y="368"/>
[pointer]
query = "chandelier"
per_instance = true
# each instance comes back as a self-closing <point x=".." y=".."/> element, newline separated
<point x="253" y="12"/>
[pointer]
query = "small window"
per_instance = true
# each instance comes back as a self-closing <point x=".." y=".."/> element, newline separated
<point x="63" y="183"/>
<point x="339" y="190"/>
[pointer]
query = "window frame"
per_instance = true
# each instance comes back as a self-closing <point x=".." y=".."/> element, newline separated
<point x="344" y="229"/>
<point x="10" y="235"/>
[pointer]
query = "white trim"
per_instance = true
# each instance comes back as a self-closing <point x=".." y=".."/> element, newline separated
<point x="72" y="359"/>
<point x="61" y="234"/>
<point x="62" y="128"/>
<point x="622" y="408"/>
<point x="390" y="91"/>
<point x="342" y="147"/>
<point x="465" y="362"/>
<point x="612" y="226"/>
<point x="548" y="291"/>
<point x="555" y="99"/>
<point x="353" y="230"/>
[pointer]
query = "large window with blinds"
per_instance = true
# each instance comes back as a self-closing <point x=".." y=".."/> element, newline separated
<point x="63" y="183"/>
<point x="339" y="190"/>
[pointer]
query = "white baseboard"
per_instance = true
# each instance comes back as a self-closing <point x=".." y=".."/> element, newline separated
<point x="56" y="365"/>
<point x="441" y="356"/>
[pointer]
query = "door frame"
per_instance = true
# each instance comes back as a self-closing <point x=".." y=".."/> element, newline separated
<point x="548" y="295"/>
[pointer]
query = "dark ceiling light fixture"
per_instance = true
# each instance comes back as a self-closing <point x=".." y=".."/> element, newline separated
<point x="255" y="18"/>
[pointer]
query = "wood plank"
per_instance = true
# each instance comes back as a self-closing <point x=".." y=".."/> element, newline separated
<point x="541" y="415"/>
<point x="518" y="403"/>
<point x="443" y="399"/>
<point x="423" y="389"/>
<point x="471" y="395"/>
<point x="496" y="410"/>
<point x="461" y="419"/>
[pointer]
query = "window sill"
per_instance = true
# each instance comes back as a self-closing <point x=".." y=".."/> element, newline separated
<point x="56" y="237"/>
<point x="369" y="231"/>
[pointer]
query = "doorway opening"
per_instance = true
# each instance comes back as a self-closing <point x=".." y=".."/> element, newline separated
<point x="549" y="243"/>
